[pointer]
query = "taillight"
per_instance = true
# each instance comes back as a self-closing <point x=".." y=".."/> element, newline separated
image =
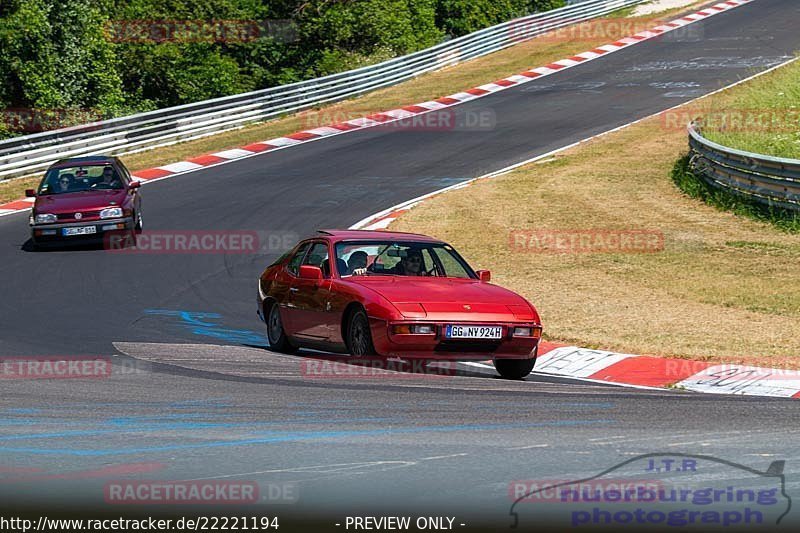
<point x="528" y="331"/>
<point x="413" y="329"/>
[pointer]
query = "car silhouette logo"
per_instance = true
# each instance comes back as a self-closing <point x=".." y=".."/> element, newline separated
<point x="78" y="216"/>
<point x="660" y="475"/>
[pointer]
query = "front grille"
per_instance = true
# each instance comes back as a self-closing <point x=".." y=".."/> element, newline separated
<point x="462" y="346"/>
<point x="71" y="216"/>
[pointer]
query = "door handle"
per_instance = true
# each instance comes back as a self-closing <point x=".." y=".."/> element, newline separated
<point x="293" y="289"/>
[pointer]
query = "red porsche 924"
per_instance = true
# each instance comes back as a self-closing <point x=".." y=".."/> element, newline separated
<point x="397" y="295"/>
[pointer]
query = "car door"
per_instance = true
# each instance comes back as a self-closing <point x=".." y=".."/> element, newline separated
<point x="286" y="287"/>
<point x="309" y="299"/>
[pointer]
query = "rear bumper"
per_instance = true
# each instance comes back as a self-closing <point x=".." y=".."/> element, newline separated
<point x="436" y="347"/>
<point x="54" y="232"/>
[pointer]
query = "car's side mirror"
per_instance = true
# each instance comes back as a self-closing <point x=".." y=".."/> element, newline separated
<point x="134" y="184"/>
<point x="484" y="275"/>
<point x="310" y="272"/>
<point x="30" y="193"/>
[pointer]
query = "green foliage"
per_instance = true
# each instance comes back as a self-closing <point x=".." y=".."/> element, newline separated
<point x="696" y="187"/>
<point x="114" y="57"/>
<point x="54" y="55"/>
<point x="351" y="32"/>
<point x="459" y="17"/>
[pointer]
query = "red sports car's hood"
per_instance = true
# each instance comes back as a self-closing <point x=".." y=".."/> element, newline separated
<point x="79" y="201"/>
<point x="449" y="299"/>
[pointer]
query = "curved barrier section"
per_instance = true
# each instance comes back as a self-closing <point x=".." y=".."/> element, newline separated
<point x="28" y="154"/>
<point x="773" y="181"/>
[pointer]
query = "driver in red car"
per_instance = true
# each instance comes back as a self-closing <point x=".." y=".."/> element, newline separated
<point x="410" y="265"/>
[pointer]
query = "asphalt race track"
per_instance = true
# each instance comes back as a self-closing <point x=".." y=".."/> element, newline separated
<point x="195" y="395"/>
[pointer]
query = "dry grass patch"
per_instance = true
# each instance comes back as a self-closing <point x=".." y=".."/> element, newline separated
<point x="723" y="288"/>
<point x="11" y="190"/>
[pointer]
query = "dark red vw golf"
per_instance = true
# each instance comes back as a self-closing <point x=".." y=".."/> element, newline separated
<point x="397" y="295"/>
<point x="84" y="198"/>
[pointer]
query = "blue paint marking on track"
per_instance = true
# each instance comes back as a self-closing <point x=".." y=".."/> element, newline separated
<point x="193" y="420"/>
<point x="208" y="403"/>
<point x="183" y="426"/>
<point x="295" y="437"/>
<point x="198" y="323"/>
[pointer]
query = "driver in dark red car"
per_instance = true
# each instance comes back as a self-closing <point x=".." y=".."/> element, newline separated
<point x="108" y="180"/>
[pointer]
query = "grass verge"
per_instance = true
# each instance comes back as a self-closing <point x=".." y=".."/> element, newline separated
<point x="694" y="186"/>
<point x="762" y="117"/>
<point x="536" y="52"/>
<point x="723" y="288"/>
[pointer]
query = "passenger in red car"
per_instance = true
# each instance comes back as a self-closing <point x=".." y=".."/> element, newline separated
<point x="357" y="261"/>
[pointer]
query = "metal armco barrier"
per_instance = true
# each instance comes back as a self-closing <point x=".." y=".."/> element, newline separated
<point x="28" y="154"/>
<point x="773" y="181"/>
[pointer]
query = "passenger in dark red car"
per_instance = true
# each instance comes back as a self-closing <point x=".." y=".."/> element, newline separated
<point x="66" y="182"/>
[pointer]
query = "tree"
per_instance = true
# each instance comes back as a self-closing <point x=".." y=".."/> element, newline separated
<point x="459" y="17"/>
<point x="54" y="56"/>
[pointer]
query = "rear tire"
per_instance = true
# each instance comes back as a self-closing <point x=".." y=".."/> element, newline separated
<point x="276" y="335"/>
<point x="514" y="368"/>
<point x="359" y="336"/>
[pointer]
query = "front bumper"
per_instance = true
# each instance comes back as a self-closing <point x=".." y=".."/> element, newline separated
<point x="55" y="233"/>
<point x="436" y="347"/>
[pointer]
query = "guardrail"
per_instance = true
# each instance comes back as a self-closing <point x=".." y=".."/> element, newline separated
<point x="20" y="156"/>
<point x="772" y="181"/>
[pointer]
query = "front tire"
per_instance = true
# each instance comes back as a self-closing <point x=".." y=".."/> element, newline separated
<point x="276" y="335"/>
<point x="514" y="368"/>
<point x="359" y="335"/>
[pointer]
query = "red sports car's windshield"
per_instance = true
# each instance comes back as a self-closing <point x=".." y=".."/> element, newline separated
<point x="80" y="178"/>
<point x="393" y="258"/>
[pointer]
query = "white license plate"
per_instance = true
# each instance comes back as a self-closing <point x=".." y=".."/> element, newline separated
<point x="454" y="331"/>
<point x="81" y="230"/>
